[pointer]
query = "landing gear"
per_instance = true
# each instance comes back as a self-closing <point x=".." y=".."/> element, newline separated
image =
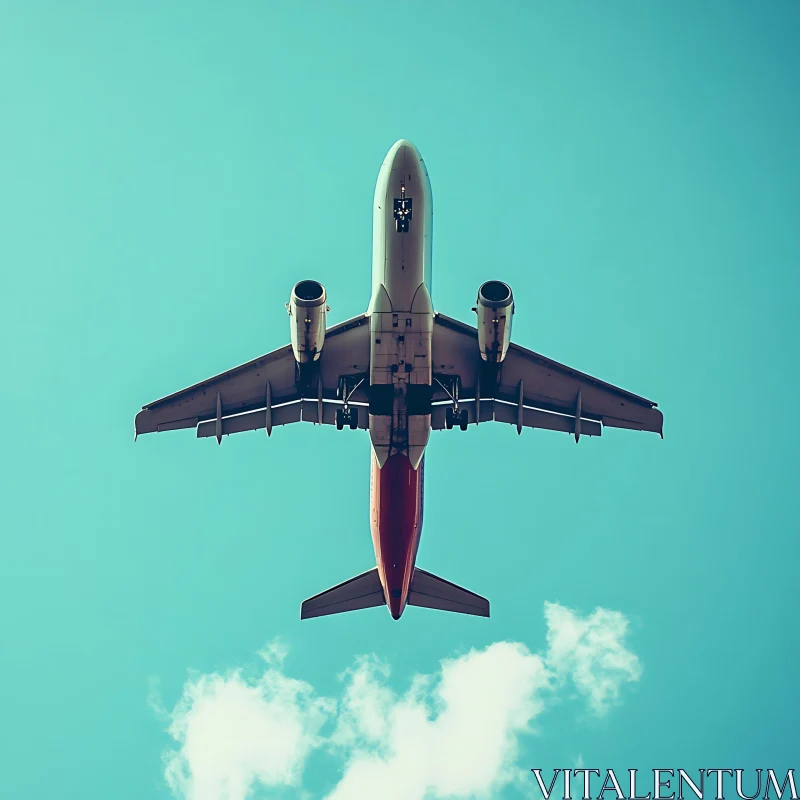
<point x="453" y="417"/>
<point x="347" y="414"/>
<point x="403" y="211"/>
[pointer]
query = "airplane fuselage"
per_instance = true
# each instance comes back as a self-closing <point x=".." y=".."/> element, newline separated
<point x="401" y="329"/>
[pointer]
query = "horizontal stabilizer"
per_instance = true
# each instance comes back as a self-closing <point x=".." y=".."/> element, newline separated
<point x="431" y="592"/>
<point x="363" y="591"/>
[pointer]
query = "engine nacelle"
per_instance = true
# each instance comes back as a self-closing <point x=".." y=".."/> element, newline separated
<point x="307" y="309"/>
<point x="495" y="308"/>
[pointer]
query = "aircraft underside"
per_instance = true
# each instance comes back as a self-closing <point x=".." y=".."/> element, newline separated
<point x="400" y="371"/>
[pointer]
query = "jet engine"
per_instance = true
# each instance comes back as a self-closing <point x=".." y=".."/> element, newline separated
<point x="494" y="309"/>
<point x="307" y="309"/>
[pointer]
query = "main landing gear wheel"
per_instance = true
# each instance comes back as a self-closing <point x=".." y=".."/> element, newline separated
<point x="346" y="416"/>
<point x="452" y="418"/>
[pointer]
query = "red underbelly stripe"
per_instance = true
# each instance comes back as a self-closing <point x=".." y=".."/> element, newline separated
<point x="396" y="525"/>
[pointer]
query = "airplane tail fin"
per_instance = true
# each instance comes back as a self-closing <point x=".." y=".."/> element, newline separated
<point x="363" y="591"/>
<point x="430" y="591"/>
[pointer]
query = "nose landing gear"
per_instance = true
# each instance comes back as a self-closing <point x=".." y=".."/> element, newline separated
<point x="403" y="211"/>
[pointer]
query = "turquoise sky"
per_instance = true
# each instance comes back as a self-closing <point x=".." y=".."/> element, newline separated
<point x="169" y="170"/>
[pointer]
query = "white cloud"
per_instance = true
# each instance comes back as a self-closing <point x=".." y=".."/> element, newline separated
<point x="590" y="650"/>
<point x="234" y="733"/>
<point x="455" y="734"/>
<point x="456" y="737"/>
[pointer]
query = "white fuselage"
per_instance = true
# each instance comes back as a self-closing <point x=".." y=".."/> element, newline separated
<point x="401" y="311"/>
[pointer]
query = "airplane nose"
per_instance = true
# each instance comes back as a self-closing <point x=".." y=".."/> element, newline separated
<point x="403" y="154"/>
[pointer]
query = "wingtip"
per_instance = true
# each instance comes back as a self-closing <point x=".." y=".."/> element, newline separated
<point x="657" y="425"/>
<point x="141" y="423"/>
<point x="305" y="611"/>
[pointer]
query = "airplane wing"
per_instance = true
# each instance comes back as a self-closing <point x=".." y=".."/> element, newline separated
<point x="265" y="392"/>
<point x="529" y="390"/>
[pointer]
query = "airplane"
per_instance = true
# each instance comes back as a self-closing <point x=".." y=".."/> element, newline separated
<point x="400" y="371"/>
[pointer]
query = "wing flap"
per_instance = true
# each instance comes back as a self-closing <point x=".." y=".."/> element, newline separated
<point x="252" y="421"/>
<point x="305" y="410"/>
<point x="363" y="591"/>
<point x="429" y="591"/>
<point x="533" y="418"/>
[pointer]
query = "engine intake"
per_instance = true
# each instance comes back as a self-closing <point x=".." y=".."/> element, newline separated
<point x="494" y="309"/>
<point x="307" y="309"/>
